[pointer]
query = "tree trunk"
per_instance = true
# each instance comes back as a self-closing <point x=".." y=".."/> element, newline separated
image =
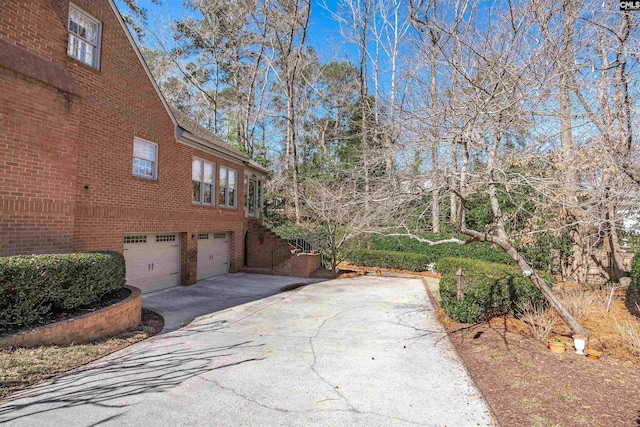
<point x="513" y="253"/>
<point x="454" y="211"/>
<point x="435" y="166"/>
<point x="293" y="143"/>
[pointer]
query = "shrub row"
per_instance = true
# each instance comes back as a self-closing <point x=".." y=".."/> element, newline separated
<point x="33" y="287"/>
<point x="388" y="259"/>
<point x="635" y="272"/>
<point x="479" y="250"/>
<point x="491" y="289"/>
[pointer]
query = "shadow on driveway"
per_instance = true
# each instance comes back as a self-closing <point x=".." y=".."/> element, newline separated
<point x="113" y="384"/>
<point x="181" y="305"/>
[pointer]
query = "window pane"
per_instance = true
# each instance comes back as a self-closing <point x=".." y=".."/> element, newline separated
<point x="88" y="54"/>
<point x="232" y="179"/>
<point x="195" y="191"/>
<point x="83" y="26"/>
<point x="246" y="192"/>
<point x="232" y="198"/>
<point x="90" y="30"/>
<point x="144" y="151"/>
<point x="222" y="197"/>
<point x="142" y="167"/>
<point x="208" y="173"/>
<point x="73" y="21"/>
<point x="196" y="170"/>
<point x="207" y="193"/>
<point x="252" y="195"/>
<point x="223" y="177"/>
<point x="259" y="194"/>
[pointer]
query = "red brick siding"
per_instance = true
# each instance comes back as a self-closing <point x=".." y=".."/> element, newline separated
<point x="78" y="153"/>
<point x="302" y="265"/>
<point x="261" y="242"/>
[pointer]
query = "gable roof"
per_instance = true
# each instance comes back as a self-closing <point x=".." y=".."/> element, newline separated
<point x="187" y="124"/>
<point x="187" y="130"/>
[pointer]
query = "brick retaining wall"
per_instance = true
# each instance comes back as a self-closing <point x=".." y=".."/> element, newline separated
<point x="106" y="322"/>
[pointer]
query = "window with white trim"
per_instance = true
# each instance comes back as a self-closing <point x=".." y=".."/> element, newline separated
<point x="145" y="159"/>
<point x="84" y="37"/>
<point x="202" y="173"/>
<point x="228" y="187"/>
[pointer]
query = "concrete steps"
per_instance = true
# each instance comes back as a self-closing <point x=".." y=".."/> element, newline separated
<point x="257" y="270"/>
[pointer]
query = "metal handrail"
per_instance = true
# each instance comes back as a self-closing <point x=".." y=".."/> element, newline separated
<point x="301" y="244"/>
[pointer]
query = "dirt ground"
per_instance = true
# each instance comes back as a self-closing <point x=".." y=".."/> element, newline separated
<point x="24" y="367"/>
<point x="527" y="385"/>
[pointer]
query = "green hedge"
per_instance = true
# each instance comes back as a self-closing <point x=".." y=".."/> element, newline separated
<point x="478" y="250"/>
<point x="387" y="259"/>
<point x="491" y="289"/>
<point x="635" y="272"/>
<point x="33" y="287"/>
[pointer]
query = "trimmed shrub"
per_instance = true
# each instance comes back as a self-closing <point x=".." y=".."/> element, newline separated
<point x="387" y="259"/>
<point x="490" y="290"/>
<point x="36" y="286"/>
<point x="478" y="250"/>
<point x="635" y="272"/>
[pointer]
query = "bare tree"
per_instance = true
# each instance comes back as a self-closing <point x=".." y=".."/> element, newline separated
<point x="289" y="26"/>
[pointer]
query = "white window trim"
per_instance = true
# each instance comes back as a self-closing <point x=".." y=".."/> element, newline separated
<point x="98" y="45"/>
<point x="213" y="184"/>
<point x="235" y="199"/>
<point x="155" y="164"/>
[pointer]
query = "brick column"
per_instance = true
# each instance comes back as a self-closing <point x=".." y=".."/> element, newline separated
<point x="189" y="258"/>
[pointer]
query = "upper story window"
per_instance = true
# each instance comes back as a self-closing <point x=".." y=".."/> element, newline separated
<point x="84" y="37"/>
<point x="202" y="174"/>
<point x="145" y="159"/>
<point x="228" y="186"/>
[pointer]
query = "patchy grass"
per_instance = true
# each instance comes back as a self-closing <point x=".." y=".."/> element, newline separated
<point x="529" y="403"/>
<point x="568" y="396"/>
<point x="537" y="421"/>
<point x="24" y="367"/>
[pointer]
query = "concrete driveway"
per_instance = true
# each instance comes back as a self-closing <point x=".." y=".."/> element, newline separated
<point x="366" y="351"/>
<point x="180" y="305"/>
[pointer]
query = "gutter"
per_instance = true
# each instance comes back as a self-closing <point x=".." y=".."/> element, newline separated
<point x="185" y="137"/>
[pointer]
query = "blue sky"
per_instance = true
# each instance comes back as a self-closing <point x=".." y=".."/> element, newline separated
<point x="323" y="36"/>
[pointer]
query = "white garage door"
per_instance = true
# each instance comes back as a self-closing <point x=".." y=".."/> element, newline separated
<point x="153" y="261"/>
<point x="213" y="254"/>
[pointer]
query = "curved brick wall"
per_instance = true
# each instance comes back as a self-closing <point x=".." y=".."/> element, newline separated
<point x="105" y="322"/>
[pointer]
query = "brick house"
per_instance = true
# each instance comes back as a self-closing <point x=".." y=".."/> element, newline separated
<point x="93" y="158"/>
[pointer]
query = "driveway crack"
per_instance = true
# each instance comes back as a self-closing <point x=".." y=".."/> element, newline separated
<point x="242" y="396"/>
<point x="315" y="359"/>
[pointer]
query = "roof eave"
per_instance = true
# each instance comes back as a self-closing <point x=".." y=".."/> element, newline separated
<point x="186" y="137"/>
<point x="252" y="164"/>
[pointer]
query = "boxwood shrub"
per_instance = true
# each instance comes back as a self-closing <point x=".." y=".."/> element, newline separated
<point x="491" y="289"/>
<point x="635" y="272"/>
<point x="388" y="259"/>
<point x="35" y="286"/>
<point x="478" y="250"/>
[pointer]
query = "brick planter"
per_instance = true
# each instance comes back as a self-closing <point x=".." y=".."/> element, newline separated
<point x="107" y="321"/>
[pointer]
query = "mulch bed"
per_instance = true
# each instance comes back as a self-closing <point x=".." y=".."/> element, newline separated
<point x="527" y="385"/>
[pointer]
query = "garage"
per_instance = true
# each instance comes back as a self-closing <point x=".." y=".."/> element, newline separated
<point x="213" y="254"/>
<point x="153" y="261"/>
